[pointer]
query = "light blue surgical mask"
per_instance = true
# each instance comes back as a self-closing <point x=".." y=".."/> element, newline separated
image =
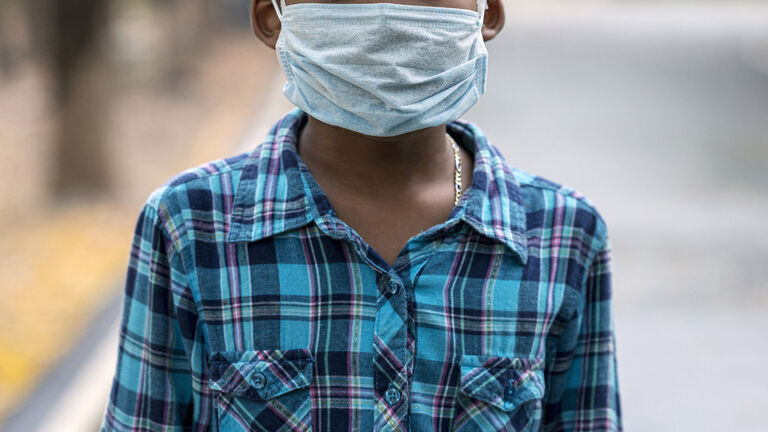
<point x="382" y="69"/>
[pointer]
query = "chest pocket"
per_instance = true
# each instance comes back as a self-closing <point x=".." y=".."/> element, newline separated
<point x="262" y="390"/>
<point x="499" y="393"/>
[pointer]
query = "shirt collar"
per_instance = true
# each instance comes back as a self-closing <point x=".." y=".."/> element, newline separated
<point x="276" y="191"/>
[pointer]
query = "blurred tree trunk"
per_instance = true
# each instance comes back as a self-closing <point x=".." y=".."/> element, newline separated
<point x="191" y="23"/>
<point x="14" y="37"/>
<point x="81" y="157"/>
<point x="38" y="17"/>
<point x="67" y="34"/>
<point x="6" y="58"/>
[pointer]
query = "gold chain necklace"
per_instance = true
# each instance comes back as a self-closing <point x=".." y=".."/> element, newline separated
<point x="457" y="169"/>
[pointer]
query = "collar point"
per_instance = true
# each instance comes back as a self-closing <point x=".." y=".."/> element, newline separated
<point x="516" y="243"/>
<point x="522" y="253"/>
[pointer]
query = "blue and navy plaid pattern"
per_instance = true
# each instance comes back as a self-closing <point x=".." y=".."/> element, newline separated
<point x="250" y="306"/>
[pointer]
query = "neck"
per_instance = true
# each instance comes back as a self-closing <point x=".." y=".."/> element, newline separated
<point x="362" y="163"/>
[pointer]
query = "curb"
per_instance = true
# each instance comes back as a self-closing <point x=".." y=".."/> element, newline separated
<point x="81" y="372"/>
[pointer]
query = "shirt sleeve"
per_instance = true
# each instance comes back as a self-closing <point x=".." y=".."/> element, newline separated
<point x="583" y="392"/>
<point x="152" y="386"/>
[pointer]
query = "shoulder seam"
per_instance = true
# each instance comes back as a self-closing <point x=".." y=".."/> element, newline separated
<point x="539" y="182"/>
<point x="155" y="202"/>
<point x="199" y="172"/>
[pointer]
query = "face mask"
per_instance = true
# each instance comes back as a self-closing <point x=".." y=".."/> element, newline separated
<point x="382" y="69"/>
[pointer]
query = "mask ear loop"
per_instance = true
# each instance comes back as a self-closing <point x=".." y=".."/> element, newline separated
<point x="278" y="10"/>
<point x="482" y="5"/>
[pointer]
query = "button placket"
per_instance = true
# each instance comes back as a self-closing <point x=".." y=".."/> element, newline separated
<point x="391" y="362"/>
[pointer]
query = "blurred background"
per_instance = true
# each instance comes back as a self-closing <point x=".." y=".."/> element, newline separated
<point x="656" y="111"/>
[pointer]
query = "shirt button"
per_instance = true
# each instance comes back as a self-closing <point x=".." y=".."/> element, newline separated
<point x="392" y="395"/>
<point x="393" y="286"/>
<point x="508" y="393"/>
<point x="259" y="380"/>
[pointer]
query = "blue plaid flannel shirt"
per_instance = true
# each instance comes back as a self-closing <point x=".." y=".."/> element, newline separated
<point x="250" y="306"/>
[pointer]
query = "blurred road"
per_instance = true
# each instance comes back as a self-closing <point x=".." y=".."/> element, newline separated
<point x="659" y="115"/>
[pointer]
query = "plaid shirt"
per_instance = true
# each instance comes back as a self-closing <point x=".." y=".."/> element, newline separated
<point x="250" y="306"/>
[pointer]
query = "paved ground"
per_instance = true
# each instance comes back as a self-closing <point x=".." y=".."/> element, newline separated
<point x="659" y="114"/>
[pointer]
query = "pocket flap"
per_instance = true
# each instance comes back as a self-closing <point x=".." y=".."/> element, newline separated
<point x="505" y="382"/>
<point x="260" y="374"/>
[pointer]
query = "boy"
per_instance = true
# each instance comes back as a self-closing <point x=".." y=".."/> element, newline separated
<point x="375" y="264"/>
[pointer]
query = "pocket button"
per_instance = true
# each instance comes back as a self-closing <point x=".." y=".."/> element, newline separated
<point x="259" y="380"/>
<point x="508" y="393"/>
